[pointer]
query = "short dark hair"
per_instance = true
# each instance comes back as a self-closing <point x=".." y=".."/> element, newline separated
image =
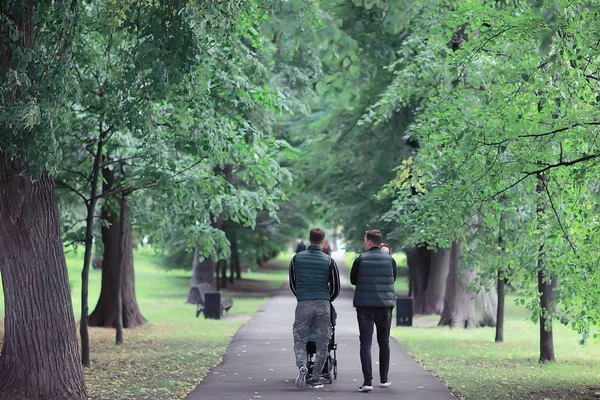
<point x="316" y="235"/>
<point x="375" y="236"/>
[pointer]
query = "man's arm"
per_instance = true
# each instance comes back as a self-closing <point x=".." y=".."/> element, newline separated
<point x="354" y="271"/>
<point x="293" y="275"/>
<point x="395" y="268"/>
<point x="334" y="280"/>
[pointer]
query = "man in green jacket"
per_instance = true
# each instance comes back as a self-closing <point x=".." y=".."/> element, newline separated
<point x="315" y="281"/>
<point x="374" y="273"/>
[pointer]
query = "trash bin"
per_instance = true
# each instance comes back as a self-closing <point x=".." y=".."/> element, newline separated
<point x="212" y="305"/>
<point x="404" y="310"/>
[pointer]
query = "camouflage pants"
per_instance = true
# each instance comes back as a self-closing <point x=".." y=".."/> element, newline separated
<point x="309" y="314"/>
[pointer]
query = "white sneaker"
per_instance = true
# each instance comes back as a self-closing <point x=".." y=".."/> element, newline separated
<point x="316" y="384"/>
<point x="365" y="388"/>
<point x="301" y="378"/>
<point x="385" y="384"/>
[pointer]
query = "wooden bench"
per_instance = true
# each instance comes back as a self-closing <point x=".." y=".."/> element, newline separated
<point x="199" y="291"/>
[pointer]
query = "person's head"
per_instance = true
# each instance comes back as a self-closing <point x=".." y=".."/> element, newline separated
<point x="373" y="238"/>
<point x="386" y="248"/>
<point x="316" y="236"/>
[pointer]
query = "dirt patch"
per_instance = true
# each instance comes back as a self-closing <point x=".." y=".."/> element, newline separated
<point x="271" y="266"/>
<point x="249" y="288"/>
<point x="567" y="394"/>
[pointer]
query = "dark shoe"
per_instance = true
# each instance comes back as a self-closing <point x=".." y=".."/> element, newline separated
<point x="316" y="384"/>
<point x="365" y="388"/>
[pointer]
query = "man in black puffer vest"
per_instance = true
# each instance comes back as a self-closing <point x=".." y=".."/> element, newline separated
<point x="315" y="280"/>
<point x="374" y="273"/>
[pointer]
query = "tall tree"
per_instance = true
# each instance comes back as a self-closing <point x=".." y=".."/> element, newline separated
<point x="32" y="262"/>
<point x="504" y="110"/>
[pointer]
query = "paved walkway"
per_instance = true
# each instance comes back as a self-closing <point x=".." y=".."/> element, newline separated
<point x="260" y="361"/>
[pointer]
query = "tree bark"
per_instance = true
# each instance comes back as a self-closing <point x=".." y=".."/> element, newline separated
<point x="500" y="314"/>
<point x="546" y="284"/>
<point x="436" y="284"/>
<point x="237" y="265"/>
<point x="203" y="272"/>
<point x="222" y="265"/>
<point x="461" y="307"/>
<point x="119" y="272"/>
<point x="89" y="244"/>
<point x="234" y="261"/>
<point x="40" y="356"/>
<point x="428" y="271"/>
<point x="104" y="314"/>
<point x="195" y="272"/>
<point x="501" y="283"/>
<point x="217" y="277"/>
<point x="547" y="297"/>
<point x="418" y="260"/>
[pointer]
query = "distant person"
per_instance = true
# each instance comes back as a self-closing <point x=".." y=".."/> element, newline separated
<point x="326" y="248"/>
<point x="374" y="273"/>
<point x="386" y="248"/>
<point x="300" y="246"/>
<point x="315" y="281"/>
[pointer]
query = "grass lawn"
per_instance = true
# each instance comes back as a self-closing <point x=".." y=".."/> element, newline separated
<point x="475" y="367"/>
<point x="167" y="357"/>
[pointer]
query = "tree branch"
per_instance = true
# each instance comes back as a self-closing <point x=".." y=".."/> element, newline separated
<point x="527" y="174"/>
<point x="62" y="185"/>
<point x="562" y="228"/>
<point x="552" y="132"/>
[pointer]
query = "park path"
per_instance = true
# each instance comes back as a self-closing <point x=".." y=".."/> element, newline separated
<point x="260" y="364"/>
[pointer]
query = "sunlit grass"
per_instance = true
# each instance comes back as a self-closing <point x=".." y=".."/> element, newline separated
<point x="477" y="368"/>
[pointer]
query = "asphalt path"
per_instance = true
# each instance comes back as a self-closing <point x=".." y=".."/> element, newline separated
<point x="260" y="364"/>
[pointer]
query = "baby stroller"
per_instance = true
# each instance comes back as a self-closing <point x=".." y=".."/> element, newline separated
<point x="330" y="368"/>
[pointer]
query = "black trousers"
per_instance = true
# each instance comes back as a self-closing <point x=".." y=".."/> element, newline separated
<point x="380" y="317"/>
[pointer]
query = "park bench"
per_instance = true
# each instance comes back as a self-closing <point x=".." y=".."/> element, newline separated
<point x="199" y="293"/>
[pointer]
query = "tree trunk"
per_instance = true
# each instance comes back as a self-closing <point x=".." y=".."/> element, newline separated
<point x="203" y="271"/>
<point x="418" y="260"/>
<point x="40" y="356"/>
<point x="234" y="261"/>
<point x="217" y="277"/>
<point x="501" y="280"/>
<point x="547" y="297"/>
<point x="89" y="245"/>
<point x="119" y="272"/>
<point x="546" y="284"/>
<point x="195" y="272"/>
<point x="222" y="266"/>
<point x="238" y="267"/>
<point x="428" y="271"/>
<point x="436" y="284"/>
<point x="105" y="313"/>
<point x="500" y="314"/>
<point x="461" y="307"/>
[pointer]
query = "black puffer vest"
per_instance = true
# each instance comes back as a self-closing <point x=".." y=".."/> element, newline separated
<point x="312" y="274"/>
<point x="375" y="280"/>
